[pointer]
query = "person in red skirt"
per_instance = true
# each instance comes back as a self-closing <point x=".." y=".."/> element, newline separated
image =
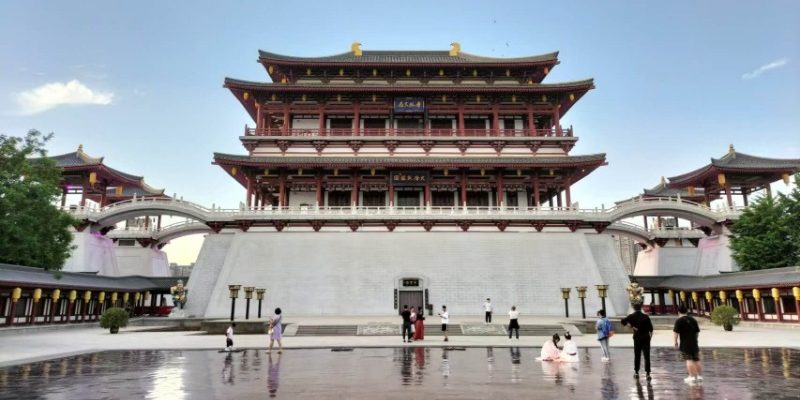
<point x="419" y="325"/>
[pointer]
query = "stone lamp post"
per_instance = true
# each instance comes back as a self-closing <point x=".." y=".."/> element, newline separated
<point x="565" y="295"/>
<point x="602" y="291"/>
<point x="260" y="297"/>
<point x="234" y="294"/>
<point x="582" y="295"/>
<point x="248" y="295"/>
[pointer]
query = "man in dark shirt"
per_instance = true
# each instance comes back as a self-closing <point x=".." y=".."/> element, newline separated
<point x="406" y="323"/>
<point x="684" y="335"/>
<point x="642" y="332"/>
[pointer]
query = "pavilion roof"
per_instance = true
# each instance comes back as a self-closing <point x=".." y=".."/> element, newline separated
<point x="79" y="161"/>
<point x="394" y="161"/>
<point x="409" y="57"/>
<point x="664" y="190"/>
<point x="739" y="164"/>
<point x="766" y="278"/>
<point x="27" y="276"/>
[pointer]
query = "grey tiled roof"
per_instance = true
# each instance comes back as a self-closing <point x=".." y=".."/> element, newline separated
<point x="582" y="159"/>
<point x="378" y="88"/>
<point x="741" y="161"/>
<point x="75" y="159"/>
<point x="409" y="57"/>
<point x="27" y="276"/>
<point x="789" y="276"/>
<point x="130" y="191"/>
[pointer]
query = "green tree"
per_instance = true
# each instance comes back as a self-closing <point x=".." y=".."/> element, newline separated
<point x="767" y="234"/>
<point x="33" y="231"/>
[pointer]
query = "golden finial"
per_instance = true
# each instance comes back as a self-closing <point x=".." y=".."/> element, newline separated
<point x="356" y="48"/>
<point x="731" y="150"/>
<point x="455" y="48"/>
<point x="80" y="148"/>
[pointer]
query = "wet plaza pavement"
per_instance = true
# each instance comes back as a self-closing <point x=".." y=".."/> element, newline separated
<point x="400" y="373"/>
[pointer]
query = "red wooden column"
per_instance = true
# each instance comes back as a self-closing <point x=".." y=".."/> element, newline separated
<point x="558" y="198"/>
<point x="268" y="123"/>
<point x="318" y="186"/>
<point x="84" y="187"/>
<point x="259" y="119"/>
<point x="728" y="195"/>
<point x="706" y="196"/>
<point x="464" y="187"/>
<point x="282" y="189"/>
<point x="567" y="191"/>
<point x="16" y="294"/>
<point x="286" y="122"/>
<point x="535" y="186"/>
<point x="249" y="190"/>
<point x="427" y="194"/>
<point x="759" y="307"/>
<point x="354" y="189"/>
<point x="460" y="119"/>
<point x="495" y="121"/>
<point x="356" y="117"/>
<point x="321" y="122"/>
<point x="776" y="296"/>
<point x="531" y="121"/>
<point x="796" y="294"/>
<point x="500" y="187"/>
<point x="391" y="189"/>
<point x="557" y="120"/>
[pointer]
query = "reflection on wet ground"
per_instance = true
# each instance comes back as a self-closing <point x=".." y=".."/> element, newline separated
<point x="401" y="373"/>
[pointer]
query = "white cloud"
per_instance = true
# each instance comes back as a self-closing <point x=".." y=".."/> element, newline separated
<point x="764" y="68"/>
<point x="52" y="95"/>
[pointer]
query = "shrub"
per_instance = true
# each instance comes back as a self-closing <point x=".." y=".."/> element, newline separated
<point x="726" y="316"/>
<point x="114" y="318"/>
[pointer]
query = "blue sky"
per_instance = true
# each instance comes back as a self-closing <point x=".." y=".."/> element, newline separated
<point x="676" y="81"/>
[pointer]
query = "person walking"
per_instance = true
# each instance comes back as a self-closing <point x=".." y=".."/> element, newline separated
<point x="406" y="328"/>
<point x="445" y="316"/>
<point x="513" y="323"/>
<point x="685" y="333"/>
<point x="642" y="333"/>
<point x="604" y="332"/>
<point x="419" y="325"/>
<point x="229" y="337"/>
<point x="276" y="331"/>
<point x="487" y="309"/>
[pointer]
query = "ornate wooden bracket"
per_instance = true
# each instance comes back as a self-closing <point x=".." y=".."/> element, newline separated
<point x="534" y="146"/>
<point x="320" y="145"/>
<point x="317" y="225"/>
<point x="707" y="230"/>
<point x="80" y="226"/>
<point x="244" y="225"/>
<point x="539" y="225"/>
<point x="428" y="225"/>
<point x="279" y="225"/>
<point x="250" y="146"/>
<point x="355" y="145"/>
<point x="145" y="242"/>
<point x="599" y="227"/>
<point x="573" y="225"/>
<point x="501" y="225"/>
<point x="567" y="146"/>
<point x="390" y="225"/>
<point x="694" y="242"/>
<point x="427" y="145"/>
<point x="661" y="242"/>
<point x="464" y="225"/>
<point x="353" y="225"/>
<point x="104" y="230"/>
<point x="498" y="145"/>
<point x="463" y="145"/>
<point x="215" y="226"/>
<point x="391" y="145"/>
<point x="284" y="145"/>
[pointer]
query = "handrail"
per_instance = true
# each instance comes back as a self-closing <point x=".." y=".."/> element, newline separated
<point x="406" y="132"/>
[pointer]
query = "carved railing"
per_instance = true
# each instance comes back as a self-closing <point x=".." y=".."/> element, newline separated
<point x="399" y="132"/>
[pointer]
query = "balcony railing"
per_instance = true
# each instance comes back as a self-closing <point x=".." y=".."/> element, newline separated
<point x="393" y="132"/>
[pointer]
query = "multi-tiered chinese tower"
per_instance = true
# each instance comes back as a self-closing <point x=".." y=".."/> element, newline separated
<point x="392" y="175"/>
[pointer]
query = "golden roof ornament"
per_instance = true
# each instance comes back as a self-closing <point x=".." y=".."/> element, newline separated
<point x="455" y="48"/>
<point x="356" y="48"/>
<point x="80" y="148"/>
<point x="731" y="149"/>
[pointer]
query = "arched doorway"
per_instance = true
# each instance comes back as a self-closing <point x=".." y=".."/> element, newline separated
<point x="410" y="293"/>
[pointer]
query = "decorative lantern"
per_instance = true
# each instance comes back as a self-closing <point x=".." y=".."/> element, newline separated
<point x="137" y="296"/>
<point x="709" y="295"/>
<point x="147" y="295"/>
<point x="682" y="295"/>
<point x="691" y="191"/>
<point x="739" y="295"/>
<point x="87" y="295"/>
<point x="234" y="290"/>
<point x="581" y="291"/>
<point x="233" y="170"/>
<point x="101" y="297"/>
<point x="694" y="296"/>
<point x="776" y="294"/>
<point x="37" y="294"/>
<point x="114" y="297"/>
<point x="757" y="294"/>
<point x="73" y="294"/>
<point x="723" y="296"/>
<point x="670" y="293"/>
<point x="721" y="179"/>
<point x="796" y="292"/>
<point x="602" y="290"/>
<point x="248" y="292"/>
<point x="246" y="95"/>
<point x="16" y="294"/>
<point x="785" y="178"/>
<point x="571" y="97"/>
<point x="260" y="294"/>
<point x="92" y="178"/>
<point x="125" y="297"/>
<point x="565" y="293"/>
<point x="55" y="294"/>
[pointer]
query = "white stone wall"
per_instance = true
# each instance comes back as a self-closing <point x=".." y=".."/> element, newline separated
<point x="92" y="253"/>
<point x="666" y="261"/>
<point x="355" y="273"/>
<point x="714" y="256"/>
<point x="138" y="260"/>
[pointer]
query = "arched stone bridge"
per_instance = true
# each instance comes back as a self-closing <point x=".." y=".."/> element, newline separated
<point x="391" y="217"/>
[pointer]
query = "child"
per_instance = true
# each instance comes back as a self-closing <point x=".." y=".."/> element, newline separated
<point x="229" y="337"/>
<point x="604" y="331"/>
<point x="570" y="352"/>
<point x="445" y="320"/>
